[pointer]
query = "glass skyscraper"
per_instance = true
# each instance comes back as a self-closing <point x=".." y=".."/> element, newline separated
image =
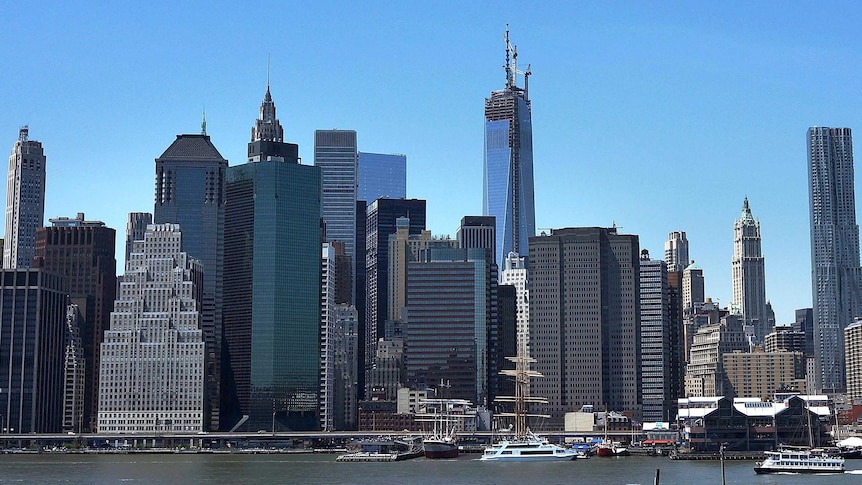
<point x="336" y="156"/>
<point x="272" y="288"/>
<point x="382" y="175"/>
<point x="836" y="278"/>
<point x="508" y="171"/>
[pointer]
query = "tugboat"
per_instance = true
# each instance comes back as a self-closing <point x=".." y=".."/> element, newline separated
<point x="525" y="446"/>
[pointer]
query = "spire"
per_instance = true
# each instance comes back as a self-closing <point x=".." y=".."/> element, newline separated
<point x="746" y="212"/>
<point x="204" y="122"/>
<point x="267" y="126"/>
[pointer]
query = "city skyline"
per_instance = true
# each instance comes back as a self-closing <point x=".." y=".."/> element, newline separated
<point x="627" y="99"/>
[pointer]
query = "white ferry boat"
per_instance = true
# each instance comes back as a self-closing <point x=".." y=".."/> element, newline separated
<point x="530" y="448"/>
<point x="800" y="461"/>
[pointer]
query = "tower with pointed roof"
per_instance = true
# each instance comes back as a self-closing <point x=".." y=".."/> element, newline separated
<point x="272" y="290"/>
<point x="508" y="192"/>
<point x="25" y="200"/>
<point x="190" y="178"/>
<point x="749" y="274"/>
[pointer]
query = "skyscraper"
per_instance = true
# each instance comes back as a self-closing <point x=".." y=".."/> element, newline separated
<point x="836" y="278"/>
<point x="381" y="216"/>
<point x="451" y="308"/>
<point x="32" y="325"/>
<point x="508" y="168"/>
<point x="676" y="251"/>
<point x="656" y="344"/>
<point x="25" y="200"/>
<point x="585" y="320"/>
<point x="190" y="177"/>
<point x="272" y="290"/>
<point x="83" y="253"/>
<point x="853" y="345"/>
<point x="749" y="274"/>
<point x="336" y="157"/>
<point x="382" y="175"/>
<point x="152" y="363"/>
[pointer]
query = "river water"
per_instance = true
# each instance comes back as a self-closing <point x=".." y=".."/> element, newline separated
<point x="313" y="469"/>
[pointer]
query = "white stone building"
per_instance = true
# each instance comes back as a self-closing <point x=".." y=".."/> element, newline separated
<point x="152" y="358"/>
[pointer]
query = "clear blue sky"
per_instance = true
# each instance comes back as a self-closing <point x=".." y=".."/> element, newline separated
<point x="655" y="117"/>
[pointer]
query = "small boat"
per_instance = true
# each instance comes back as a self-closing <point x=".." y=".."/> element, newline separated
<point x="607" y="447"/>
<point x="437" y="447"/>
<point x="800" y="461"/>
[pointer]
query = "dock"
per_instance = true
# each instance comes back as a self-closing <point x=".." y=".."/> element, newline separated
<point x="378" y="457"/>
<point x="728" y="455"/>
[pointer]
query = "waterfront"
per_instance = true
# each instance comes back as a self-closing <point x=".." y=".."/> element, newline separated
<point x="314" y="469"/>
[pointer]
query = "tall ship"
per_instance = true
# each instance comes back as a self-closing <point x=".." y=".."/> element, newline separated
<point x="446" y="417"/>
<point x="524" y="445"/>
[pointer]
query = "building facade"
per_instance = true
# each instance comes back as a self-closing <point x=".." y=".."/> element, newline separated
<point x="83" y="253"/>
<point x="380" y="223"/>
<point x="451" y="309"/>
<point x="382" y="175"/>
<point x="853" y="344"/>
<point x="676" y="251"/>
<point x="585" y="320"/>
<point x="32" y="350"/>
<point x="749" y="274"/>
<point x="336" y="156"/>
<point x="836" y="277"/>
<point x="136" y="227"/>
<point x="272" y="291"/>
<point x="25" y="200"/>
<point x="515" y="273"/>
<point x="656" y="340"/>
<point x="152" y="358"/>
<point x="190" y="177"/>
<point x="761" y="374"/>
<point x="508" y="192"/>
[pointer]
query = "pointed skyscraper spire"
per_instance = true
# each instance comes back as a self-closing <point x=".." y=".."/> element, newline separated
<point x="746" y="212"/>
<point x="204" y="122"/>
<point x="267" y="126"/>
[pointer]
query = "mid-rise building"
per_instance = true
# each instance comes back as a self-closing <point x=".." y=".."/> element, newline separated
<point x="676" y="251"/>
<point x="508" y="192"/>
<point x="190" y="177"/>
<point x="83" y="253"/>
<point x="804" y="322"/>
<point x="25" y="200"/>
<point x="585" y="320"/>
<point x="345" y="341"/>
<point x="152" y="358"/>
<point x="382" y="175"/>
<point x="705" y="374"/>
<point x="655" y="339"/>
<point x="784" y="339"/>
<point x="749" y="274"/>
<point x="761" y="374"/>
<point x="836" y="277"/>
<point x="32" y="350"/>
<point x="853" y="346"/>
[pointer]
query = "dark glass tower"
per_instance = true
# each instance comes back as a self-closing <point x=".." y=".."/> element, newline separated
<point x="190" y="178"/>
<point x="508" y="171"/>
<point x="32" y="325"/>
<point x="83" y="253"/>
<point x="272" y="287"/>
<point x="380" y="223"/>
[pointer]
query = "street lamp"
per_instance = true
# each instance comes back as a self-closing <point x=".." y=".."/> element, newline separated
<point x="273" y="422"/>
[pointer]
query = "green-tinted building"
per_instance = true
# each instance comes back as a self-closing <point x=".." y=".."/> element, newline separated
<point x="272" y="286"/>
